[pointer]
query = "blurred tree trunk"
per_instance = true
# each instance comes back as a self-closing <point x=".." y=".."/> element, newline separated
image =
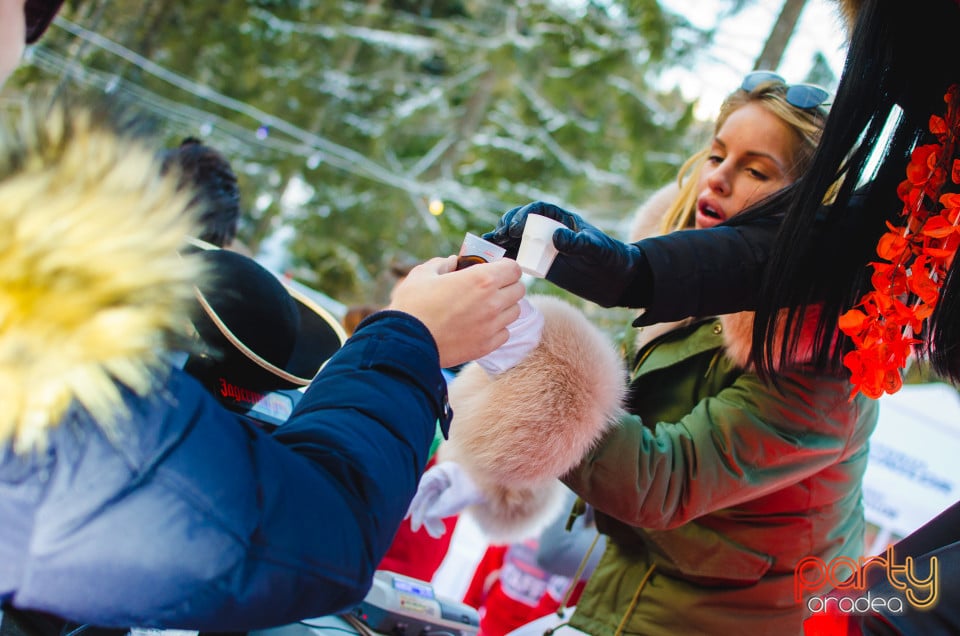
<point x="476" y="110"/>
<point x="772" y="53"/>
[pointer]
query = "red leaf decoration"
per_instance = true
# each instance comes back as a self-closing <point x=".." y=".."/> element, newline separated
<point x="906" y="287"/>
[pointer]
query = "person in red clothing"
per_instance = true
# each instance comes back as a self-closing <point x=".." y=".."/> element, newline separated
<point x="520" y="582"/>
<point x="509" y="589"/>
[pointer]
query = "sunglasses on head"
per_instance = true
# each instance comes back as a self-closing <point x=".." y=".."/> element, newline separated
<point x="798" y="95"/>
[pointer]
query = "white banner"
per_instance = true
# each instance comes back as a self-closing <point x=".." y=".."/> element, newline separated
<point x="913" y="472"/>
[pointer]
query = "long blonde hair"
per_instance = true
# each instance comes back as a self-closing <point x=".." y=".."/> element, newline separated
<point x="806" y="124"/>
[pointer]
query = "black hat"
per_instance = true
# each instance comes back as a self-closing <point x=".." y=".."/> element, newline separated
<point x="39" y="14"/>
<point x="257" y="333"/>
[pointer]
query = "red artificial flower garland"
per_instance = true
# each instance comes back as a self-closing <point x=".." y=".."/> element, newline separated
<point x="884" y="324"/>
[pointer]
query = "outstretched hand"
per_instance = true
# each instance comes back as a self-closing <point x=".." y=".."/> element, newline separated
<point x="509" y="229"/>
<point x="466" y="311"/>
<point x="590" y="263"/>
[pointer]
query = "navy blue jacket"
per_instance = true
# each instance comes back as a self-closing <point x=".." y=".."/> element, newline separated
<point x="188" y="516"/>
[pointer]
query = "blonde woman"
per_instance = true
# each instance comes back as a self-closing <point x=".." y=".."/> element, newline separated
<point x="713" y="185"/>
<point x="711" y="484"/>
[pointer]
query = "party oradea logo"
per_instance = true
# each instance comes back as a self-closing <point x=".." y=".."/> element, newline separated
<point x="849" y="577"/>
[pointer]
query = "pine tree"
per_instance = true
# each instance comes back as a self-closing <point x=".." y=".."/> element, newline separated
<point x="352" y="124"/>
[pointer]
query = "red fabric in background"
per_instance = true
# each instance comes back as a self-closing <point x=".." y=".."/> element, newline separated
<point x="829" y="625"/>
<point x="417" y="554"/>
<point x="509" y="590"/>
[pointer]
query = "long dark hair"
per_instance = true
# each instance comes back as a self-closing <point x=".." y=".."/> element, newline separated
<point x="900" y="61"/>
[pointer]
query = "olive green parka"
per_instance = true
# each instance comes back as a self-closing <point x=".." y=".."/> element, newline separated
<point x="715" y="487"/>
<point x="711" y="484"/>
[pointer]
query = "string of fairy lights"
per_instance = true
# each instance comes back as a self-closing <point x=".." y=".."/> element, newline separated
<point x="266" y="133"/>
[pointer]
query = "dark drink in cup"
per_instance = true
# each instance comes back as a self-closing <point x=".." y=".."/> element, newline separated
<point x="475" y="250"/>
<point x="463" y="262"/>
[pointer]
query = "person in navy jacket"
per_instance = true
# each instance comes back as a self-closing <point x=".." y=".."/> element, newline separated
<point x="129" y="495"/>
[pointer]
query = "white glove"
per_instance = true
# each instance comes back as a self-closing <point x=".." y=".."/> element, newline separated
<point x="444" y="491"/>
<point x="524" y="336"/>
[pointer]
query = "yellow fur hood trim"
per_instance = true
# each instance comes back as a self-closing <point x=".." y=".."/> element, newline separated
<point x="91" y="284"/>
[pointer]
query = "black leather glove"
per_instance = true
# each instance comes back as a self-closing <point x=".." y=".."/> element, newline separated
<point x="590" y="264"/>
<point x="504" y="236"/>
